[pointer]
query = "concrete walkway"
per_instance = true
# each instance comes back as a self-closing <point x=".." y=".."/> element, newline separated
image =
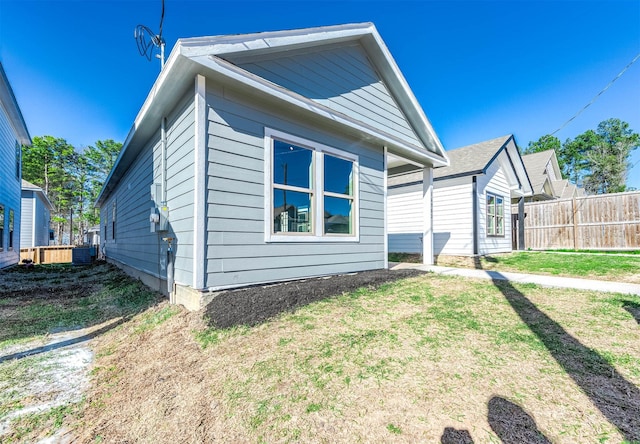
<point x="542" y="280"/>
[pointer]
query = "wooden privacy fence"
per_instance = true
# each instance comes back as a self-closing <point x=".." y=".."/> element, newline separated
<point x="52" y="254"/>
<point x="600" y="222"/>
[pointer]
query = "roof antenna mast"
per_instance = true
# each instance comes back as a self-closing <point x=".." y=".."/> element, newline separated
<point x="142" y="33"/>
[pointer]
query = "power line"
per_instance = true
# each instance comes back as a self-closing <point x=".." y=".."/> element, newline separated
<point x="598" y="95"/>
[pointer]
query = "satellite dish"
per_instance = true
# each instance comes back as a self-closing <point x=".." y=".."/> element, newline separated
<point x="146" y="40"/>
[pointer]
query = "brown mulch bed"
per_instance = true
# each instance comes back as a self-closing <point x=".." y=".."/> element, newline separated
<point x="254" y="305"/>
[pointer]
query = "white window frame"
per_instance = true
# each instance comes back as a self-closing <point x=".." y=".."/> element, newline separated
<point x="317" y="202"/>
<point x="495" y="215"/>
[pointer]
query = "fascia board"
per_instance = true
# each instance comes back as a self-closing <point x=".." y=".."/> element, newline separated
<point x="517" y="164"/>
<point x="164" y="91"/>
<point x="263" y="42"/>
<point x="395" y="145"/>
<point x="399" y="86"/>
<point x="10" y="104"/>
<point x="366" y="33"/>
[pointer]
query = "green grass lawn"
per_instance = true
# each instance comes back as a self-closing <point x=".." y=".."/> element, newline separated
<point x="589" y="266"/>
<point x="425" y="359"/>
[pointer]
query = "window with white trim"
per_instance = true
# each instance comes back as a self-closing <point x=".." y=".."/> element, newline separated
<point x="10" y="229"/>
<point x="495" y="215"/>
<point x="1" y="227"/>
<point x="311" y="191"/>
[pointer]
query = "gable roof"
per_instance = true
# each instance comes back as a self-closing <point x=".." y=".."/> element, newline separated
<point x="473" y="160"/>
<point x="10" y="104"/>
<point x="28" y="186"/>
<point x="218" y="57"/>
<point x="536" y="164"/>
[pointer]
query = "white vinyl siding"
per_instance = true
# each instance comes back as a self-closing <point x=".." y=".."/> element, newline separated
<point x="453" y="216"/>
<point x="494" y="182"/>
<point x="405" y="219"/>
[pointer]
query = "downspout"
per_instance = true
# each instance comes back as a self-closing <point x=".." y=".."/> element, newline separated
<point x="163" y="172"/>
<point x="474" y="198"/>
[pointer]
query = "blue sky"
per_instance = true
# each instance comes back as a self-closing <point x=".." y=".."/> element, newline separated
<point x="480" y="69"/>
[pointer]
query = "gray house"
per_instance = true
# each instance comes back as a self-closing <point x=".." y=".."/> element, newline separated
<point x="13" y="134"/>
<point x="471" y="202"/>
<point x="35" y="216"/>
<point x="262" y="157"/>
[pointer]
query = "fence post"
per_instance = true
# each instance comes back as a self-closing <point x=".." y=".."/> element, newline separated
<point x="521" y="215"/>
<point x="575" y="223"/>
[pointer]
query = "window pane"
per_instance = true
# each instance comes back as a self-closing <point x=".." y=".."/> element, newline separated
<point x="338" y="215"/>
<point x="490" y="225"/>
<point x="338" y="175"/>
<point x="291" y="212"/>
<point x="491" y="209"/>
<point x="291" y="165"/>
<point x="499" y="226"/>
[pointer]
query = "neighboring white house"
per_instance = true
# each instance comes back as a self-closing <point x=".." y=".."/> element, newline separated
<point x="546" y="178"/>
<point x="35" y="216"/>
<point x="471" y="201"/>
<point x="13" y="134"/>
<point x="262" y="157"/>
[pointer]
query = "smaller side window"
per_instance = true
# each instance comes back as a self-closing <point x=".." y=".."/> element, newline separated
<point x="10" y="229"/>
<point x="495" y="215"/>
<point x="18" y="159"/>
<point x="113" y="220"/>
<point x="1" y="228"/>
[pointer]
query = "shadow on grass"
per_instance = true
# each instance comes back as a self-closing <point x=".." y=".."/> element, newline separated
<point x="633" y="308"/>
<point x="512" y="424"/>
<point x="65" y="343"/>
<point x="455" y="436"/>
<point x="615" y="397"/>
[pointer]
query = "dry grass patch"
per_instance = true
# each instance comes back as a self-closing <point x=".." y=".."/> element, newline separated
<point x="425" y="359"/>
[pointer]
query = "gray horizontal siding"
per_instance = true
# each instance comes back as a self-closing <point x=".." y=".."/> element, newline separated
<point x="236" y="251"/>
<point x="135" y="245"/>
<point x="342" y="78"/>
<point x="10" y="190"/>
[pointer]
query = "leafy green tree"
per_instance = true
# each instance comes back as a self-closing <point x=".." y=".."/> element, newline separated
<point x="71" y="180"/>
<point x="572" y="157"/>
<point x="100" y="159"/>
<point x="48" y="163"/>
<point x="544" y="143"/>
<point x="597" y="160"/>
<point x="608" y="160"/>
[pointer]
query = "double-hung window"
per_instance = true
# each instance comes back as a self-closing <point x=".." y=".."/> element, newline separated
<point x="495" y="215"/>
<point x="311" y="191"/>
